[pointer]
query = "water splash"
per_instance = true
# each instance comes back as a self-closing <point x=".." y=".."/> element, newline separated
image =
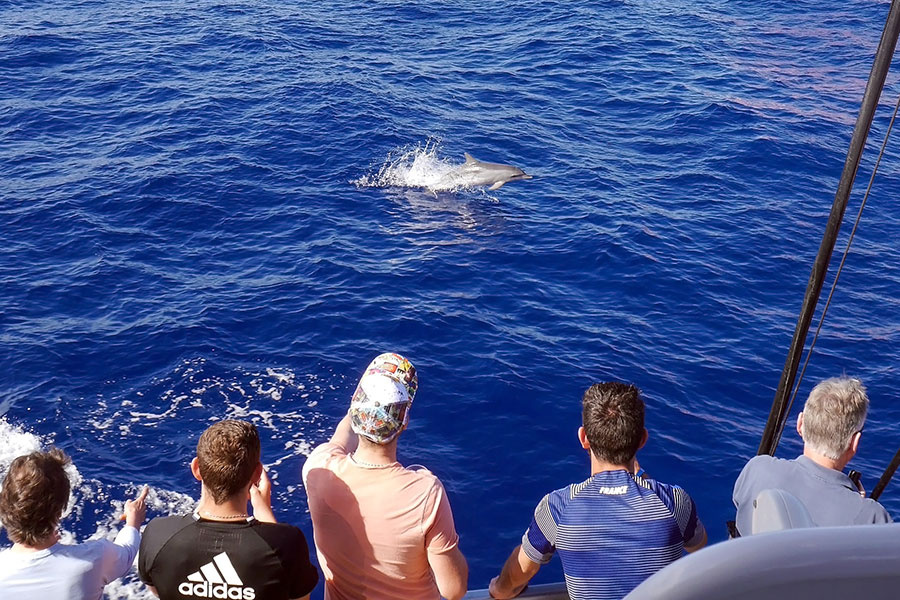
<point x="417" y="165"/>
<point x="14" y="442"/>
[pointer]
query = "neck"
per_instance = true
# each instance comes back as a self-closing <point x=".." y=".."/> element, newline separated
<point x="600" y="466"/>
<point x="40" y="545"/>
<point x="376" y="454"/>
<point x="231" y="509"/>
<point x="824" y="461"/>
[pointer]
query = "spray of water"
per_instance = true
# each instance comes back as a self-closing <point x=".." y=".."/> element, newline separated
<point x="414" y="166"/>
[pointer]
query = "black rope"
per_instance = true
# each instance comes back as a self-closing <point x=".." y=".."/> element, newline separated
<point x="837" y="275"/>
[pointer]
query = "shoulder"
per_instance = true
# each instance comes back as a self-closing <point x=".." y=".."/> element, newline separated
<point x="91" y="550"/>
<point x="419" y="486"/>
<point x="673" y="496"/>
<point x="557" y="500"/>
<point x="410" y="481"/>
<point x="278" y="533"/>
<point x="172" y="524"/>
<point x="764" y="462"/>
<point x="420" y="473"/>
<point x="680" y="506"/>
<point x="761" y="468"/>
<point x="322" y="455"/>
<point x="658" y="487"/>
<point x="872" y="512"/>
<point x="160" y="530"/>
<point x="285" y="541"/>
<point x="104" y="552"/>
<point x="326" y="451"/>
<point x="288" y="546"/>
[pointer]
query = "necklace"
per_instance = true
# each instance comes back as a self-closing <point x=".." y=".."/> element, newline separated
<point x="212" y="516"/>
<point x="368" y="464"/>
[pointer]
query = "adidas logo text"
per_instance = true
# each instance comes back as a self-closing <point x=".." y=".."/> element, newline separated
<point x="216" y="590"/>
<point x="217" y="579"/>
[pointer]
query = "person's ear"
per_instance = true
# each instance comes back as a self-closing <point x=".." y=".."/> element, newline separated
<point x="800" y="425"/>
<point x="644" y="438"/>
<point x="195" y="469"/>
<point x="257" y="473"/>
<point x="582" y="437"/>
<point x="854" y="441"/>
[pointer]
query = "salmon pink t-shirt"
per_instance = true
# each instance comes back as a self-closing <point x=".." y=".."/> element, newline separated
<point x="374" y="526"/>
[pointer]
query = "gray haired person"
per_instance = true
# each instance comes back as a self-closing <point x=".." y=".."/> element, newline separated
<point x="831" y="426"/>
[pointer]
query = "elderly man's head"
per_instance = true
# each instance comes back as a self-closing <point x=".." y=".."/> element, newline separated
<point x="833" y="414"/>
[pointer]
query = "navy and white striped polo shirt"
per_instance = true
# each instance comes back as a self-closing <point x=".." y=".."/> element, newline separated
<point x="612" y="531"/>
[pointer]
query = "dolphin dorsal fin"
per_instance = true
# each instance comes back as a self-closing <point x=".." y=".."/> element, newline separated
<point x="469" y="158"/>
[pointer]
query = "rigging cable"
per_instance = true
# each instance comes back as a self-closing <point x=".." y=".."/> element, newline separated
<point x="880" y="67"/>
<point x="837" y="276"/>
<point x="886" y="477"/>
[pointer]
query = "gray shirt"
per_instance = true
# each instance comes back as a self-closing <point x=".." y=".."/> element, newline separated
<point x="829" y="495"/>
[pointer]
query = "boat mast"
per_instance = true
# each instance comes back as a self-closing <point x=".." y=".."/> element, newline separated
<point x="880" y="67"/>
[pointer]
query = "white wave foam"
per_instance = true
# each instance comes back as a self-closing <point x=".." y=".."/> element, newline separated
<point x="128" y="588"/>
<point x="415" y="166"/>
<point x="15" y="442"/>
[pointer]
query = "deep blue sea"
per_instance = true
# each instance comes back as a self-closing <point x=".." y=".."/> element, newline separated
<point x="215" y="209"/>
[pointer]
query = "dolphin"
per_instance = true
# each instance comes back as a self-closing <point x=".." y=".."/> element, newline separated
<point x="477" y="173"/>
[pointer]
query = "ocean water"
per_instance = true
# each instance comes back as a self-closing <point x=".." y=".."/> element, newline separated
<point x="219" y="209"/>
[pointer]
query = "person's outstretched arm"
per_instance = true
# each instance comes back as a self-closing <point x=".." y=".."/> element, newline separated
<point x="261" y="499"/>
<point x="699" y="539"/>
<point x="344" y="437"/>
<point x="451" y="573"/>
<point x="119" y="555"/>
<point x="515" y="575"/>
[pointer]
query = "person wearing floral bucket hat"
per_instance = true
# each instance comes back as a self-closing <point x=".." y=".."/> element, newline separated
<point x="381" y="530"/>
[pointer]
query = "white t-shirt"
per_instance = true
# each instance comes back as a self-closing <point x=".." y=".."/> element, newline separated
<point x="63" y="572"/>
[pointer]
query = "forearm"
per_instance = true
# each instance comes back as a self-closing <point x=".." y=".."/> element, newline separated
<point x="264" y="514"/>
<point x="129" y="538"/>
<point x="261" y="497"/>
<point x="119" y="556"/>
<point x="699" y="540"/>
<point x="515" y="575"/>
<point x="344" y="436"/>
<point x="451" y="573"/>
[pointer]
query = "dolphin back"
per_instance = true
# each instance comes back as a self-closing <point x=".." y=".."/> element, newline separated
<point x="470" y="160"/>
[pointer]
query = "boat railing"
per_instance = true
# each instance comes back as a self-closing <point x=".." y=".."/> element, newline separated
<point x="545" y="591"/>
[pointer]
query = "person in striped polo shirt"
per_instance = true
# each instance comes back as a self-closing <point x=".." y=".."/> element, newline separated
<point x="616" y="528"/>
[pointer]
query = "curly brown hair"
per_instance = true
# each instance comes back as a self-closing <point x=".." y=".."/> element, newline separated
<point x="228" y="453"/>
<point x="34" y="495"/>
<point x="613" y="418"/>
